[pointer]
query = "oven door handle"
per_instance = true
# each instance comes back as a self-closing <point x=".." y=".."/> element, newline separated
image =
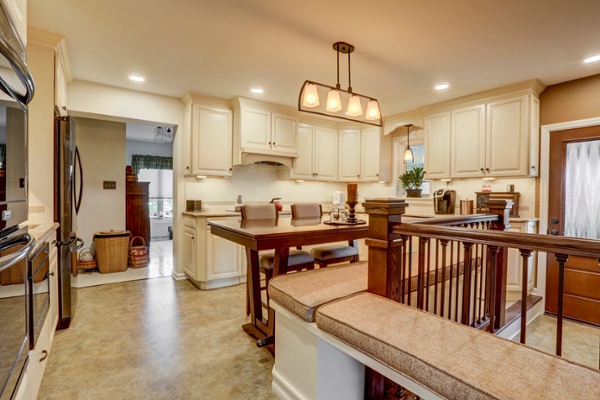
<point x="16" y="256"/>
<point x="22" y="71"/>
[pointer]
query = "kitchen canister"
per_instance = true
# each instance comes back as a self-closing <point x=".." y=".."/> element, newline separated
<point x="467" y="206"/>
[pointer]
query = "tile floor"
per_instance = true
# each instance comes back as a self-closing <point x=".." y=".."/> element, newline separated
<point x="157" y="339"/>
<point x="161" y="264"/>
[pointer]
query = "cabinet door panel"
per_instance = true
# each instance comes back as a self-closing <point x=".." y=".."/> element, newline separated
<point x="369" y="155"/>
<point x="507" y="137"/>
<point x="303" y="165"/>
<point x="222" y="260"/>
<point x="284" y="134"/>
<point x="189" y="253"/>
<point x="211" y="141"/>
<point x="468" y="142"/>
<point x="326" y="154"/>
<point x="349" y="156"/>
<point x="256" y="129"/>
<point x="437" y="146"/>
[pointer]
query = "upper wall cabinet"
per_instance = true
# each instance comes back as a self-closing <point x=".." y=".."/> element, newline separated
<point x="317" y="154"/>
<point x="17" y="11"/>
<point x="437" y="145"/>
<point x="359" y="155"/>
<point x="260" y="129"/>
<point x="512" y="144"/>
<point x="60" y="86"/>
<point x="208" y="132"/>
<point x="497" y="138"/>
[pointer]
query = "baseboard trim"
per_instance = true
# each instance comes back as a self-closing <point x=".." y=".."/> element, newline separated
<point x="282" y="389"/>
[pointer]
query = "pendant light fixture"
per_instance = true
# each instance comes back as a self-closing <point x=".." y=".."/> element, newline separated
<point x="159" y="134"/>
<point x="409" y="157"/>
<point x="344" y="104"/>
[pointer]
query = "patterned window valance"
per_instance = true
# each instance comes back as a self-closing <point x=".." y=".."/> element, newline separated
<point x="139" y="162"/>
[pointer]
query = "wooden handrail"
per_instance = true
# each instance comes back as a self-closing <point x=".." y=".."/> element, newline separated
<point x="526" y="241"/>
<point x="456" y="220"/>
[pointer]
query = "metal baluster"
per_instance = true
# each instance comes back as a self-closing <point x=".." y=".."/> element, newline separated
<point x="457" y="293"/>
<point x="403" y="269"/>
<point x="427" y="279"/>
<point x="409" y="277"/>
<point x="525" y="254"/>
<point x="466" y="292"/>
<point x="450" y="281"/>
<point x="421" y="272"/>
<point x="482" y="264"/>
<point x="437" y="282"/>
<point x="562" y="259"/>
<point x="444" y="244"/>
<point x="493" y="252"/>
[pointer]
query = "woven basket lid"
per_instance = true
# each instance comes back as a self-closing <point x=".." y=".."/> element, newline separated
<point x="107" y="234"/>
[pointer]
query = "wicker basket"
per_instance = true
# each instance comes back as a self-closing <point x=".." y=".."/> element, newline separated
<point x="138" y="254"/>
<point x="14" y="274"/>
<point x="85" y="265"/>
<point x="112" y="249"/>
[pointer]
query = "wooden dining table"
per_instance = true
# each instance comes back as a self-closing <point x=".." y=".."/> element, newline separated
<point x="278" y="235"/>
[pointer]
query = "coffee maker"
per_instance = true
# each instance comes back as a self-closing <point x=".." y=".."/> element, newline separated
<point x="444" y="201"/>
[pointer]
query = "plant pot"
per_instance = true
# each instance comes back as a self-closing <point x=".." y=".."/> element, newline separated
<point x="413" y="192"/>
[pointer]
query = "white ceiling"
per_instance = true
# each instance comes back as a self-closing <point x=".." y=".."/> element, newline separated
<point x="403" y="47"/>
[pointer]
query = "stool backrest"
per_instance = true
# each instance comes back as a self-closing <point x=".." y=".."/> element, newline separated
<point x="307" y="210"/>
<point x="259" y="211"/>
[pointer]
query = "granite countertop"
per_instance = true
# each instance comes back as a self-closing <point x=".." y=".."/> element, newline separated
<point x="42" y="232"/>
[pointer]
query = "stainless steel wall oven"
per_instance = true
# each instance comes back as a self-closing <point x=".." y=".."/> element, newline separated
<point x="15" y="243"/>
<point x="38" y="288"/>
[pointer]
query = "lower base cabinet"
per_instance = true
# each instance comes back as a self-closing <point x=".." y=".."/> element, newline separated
<point x="514" y="278"/>
<point x="210" y="261"/>
<point x="38" y="356"/>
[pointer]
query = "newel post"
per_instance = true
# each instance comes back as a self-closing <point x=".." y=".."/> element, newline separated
<point x="502" y="209"/>
<point x="384" y="246"/>
<point x="384" y="275"/>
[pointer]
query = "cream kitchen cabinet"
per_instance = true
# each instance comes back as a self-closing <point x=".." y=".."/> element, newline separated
<point x="60" y="85"/>
<point x="210" y="261"/>
<point x="261" y="130"/>
<point x="514" y="278"/>
<point x="437" y="145"/>
<point x="17" y="12"/>
<point x="512" y="136"/>
<point x="38" y="356"/>
<point x="359" y="155"/>
<point x="317" y="154"/>
<point x="468" y="141"/>
<point x="208" y="131"/>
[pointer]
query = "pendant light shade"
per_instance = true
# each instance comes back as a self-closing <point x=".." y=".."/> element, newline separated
<point x="311" y="96"/>
<point x="354" y="107"/>
<point x="334" y="103"/>
<point x="373" y="112"/>
<point x="409" y="157"/>
<point x="338" y="99"/>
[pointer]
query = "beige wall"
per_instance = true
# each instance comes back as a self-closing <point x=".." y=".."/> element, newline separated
<point x="102" y="149"/>
<point x="570" y="101"/>
<point x="40" y="58"/>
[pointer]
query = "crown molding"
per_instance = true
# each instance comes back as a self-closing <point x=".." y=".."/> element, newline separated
<point x="43" y="38"/>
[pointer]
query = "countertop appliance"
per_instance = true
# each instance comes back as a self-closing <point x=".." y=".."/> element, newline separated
<point x="68" y="180"/>
<point x="444" y="201"/>
<point x="15" y="243"/>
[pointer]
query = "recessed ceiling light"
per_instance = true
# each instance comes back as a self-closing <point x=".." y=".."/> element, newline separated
<point x="592" y="59"/>
<point x="442" y="86"/>
<point x="136" y="78"/>
<point x="257" y="90"/>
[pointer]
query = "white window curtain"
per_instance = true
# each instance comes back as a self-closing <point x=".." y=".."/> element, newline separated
<point x="161" y="182"/>
<point x="582" y="197"/>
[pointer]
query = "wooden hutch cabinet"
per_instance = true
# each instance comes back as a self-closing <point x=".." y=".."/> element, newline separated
<point x="137" y="213"/>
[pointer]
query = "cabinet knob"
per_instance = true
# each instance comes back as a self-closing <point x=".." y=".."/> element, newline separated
<point x="481" y="169"/>
<point x="44" y="355"/>
<point x="51" y="273"/>
<point x="64" y="108"/>
<point x="358" y="176"/>
<point x="274" y="144"/>
<point x="533" y="167"/>
<point x="487" y="169"/>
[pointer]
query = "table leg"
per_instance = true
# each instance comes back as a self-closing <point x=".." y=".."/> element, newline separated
<point x="253" y="288"/>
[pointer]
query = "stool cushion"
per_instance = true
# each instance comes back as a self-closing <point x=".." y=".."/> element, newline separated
<point x="333" y="251"/>
<point x="303" y="293"/>
<point x="456" y="361"/>
<point x="296" y="257"/>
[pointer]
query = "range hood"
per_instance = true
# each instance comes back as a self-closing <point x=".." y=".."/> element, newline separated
<point x="266" y="159"/>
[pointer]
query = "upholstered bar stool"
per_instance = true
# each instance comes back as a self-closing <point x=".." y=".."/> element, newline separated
<point x="330" y="254"/>
<point x="297" y="260"/>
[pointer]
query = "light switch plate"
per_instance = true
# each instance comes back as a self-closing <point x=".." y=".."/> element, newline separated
<point x="112" y="185"/>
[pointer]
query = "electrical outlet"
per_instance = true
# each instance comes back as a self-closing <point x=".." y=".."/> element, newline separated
<point x="112" y="185"/>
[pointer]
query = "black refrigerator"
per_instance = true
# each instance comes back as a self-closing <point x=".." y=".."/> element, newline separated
<point x="68" y="184"/>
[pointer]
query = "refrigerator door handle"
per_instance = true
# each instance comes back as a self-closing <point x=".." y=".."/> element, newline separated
<point x="78" y="244"/>
<point x="79" y="196"/>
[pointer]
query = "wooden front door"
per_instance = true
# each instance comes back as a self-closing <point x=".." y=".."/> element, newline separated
<point x="573" y="210"/>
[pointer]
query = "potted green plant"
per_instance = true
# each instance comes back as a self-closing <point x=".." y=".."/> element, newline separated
<point x="412" y="180"/>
